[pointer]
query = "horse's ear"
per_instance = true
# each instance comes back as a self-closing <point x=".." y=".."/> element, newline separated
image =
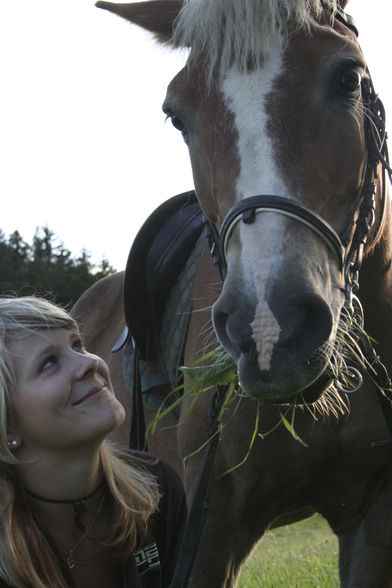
<point x="156" y="16"/>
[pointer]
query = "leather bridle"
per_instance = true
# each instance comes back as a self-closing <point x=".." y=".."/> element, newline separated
<point x="362" y="215"/>
<point x="347" y="251"/>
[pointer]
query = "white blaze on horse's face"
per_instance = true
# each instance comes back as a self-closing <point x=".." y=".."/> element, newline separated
<point x="245" y="96"/>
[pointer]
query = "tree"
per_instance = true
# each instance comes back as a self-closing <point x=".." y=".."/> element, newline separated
<point x="14" y="258"/>
<point x="46" y="268"/>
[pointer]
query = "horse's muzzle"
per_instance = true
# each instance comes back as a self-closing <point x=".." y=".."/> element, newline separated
<point x="282" y="367"/>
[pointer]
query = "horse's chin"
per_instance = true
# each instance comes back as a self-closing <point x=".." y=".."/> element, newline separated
<point x="297" y="387"/>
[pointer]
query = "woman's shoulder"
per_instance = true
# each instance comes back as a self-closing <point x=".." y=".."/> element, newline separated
<point x="171" y="489"/>
<point x="164" y="473"/>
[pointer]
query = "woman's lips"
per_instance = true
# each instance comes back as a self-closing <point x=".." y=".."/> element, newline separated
<point x="89" y="394"/>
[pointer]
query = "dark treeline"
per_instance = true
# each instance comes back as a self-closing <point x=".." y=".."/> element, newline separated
<point x="46" y="268"/>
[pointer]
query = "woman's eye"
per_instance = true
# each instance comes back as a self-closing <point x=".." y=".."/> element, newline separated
<point x="351" y="81"/>
<point x="48" y="362"/>
<point x="77" y="345"/>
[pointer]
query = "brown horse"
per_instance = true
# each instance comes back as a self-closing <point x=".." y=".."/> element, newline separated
<point x="276" y="100"/>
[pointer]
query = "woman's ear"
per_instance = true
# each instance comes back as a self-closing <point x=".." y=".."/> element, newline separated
<point x="13" y="440"/>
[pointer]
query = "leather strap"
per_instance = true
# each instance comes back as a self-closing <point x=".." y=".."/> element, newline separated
<point x="137" y="433"/>
<point x="247" y="209"/>
<point x="197" y="517"/>
<point x="347" y="20"/>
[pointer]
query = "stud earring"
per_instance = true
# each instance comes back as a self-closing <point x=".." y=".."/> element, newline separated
<point x="12" y="443"/>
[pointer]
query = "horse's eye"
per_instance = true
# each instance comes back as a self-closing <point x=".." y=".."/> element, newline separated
<point x="351" y="81"/>
<point x="177" y="123"/>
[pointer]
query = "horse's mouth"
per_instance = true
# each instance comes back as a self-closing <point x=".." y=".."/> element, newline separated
<point x="293" y="384"/>
<point x="314" y="392"/>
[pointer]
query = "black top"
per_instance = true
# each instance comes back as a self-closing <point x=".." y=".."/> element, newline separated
<point x="152" y="564"/>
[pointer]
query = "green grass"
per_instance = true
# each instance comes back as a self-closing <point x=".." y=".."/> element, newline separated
<point x="302" y="555"/>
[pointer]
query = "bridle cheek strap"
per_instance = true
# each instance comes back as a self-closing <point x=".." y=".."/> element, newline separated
<point x="247" y="209"/>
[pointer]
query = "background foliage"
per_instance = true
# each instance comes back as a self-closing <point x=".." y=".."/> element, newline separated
<point x="46" y="268"/>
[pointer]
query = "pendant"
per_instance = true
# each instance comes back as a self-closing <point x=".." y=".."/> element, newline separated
<point x="70" y="560"/>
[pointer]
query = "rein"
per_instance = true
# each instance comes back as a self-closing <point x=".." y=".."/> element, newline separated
<point x="197" y="517"/>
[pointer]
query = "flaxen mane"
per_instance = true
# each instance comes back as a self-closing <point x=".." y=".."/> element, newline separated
<point x="239" y="32"/>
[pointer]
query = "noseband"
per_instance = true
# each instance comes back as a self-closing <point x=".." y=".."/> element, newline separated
<point x="247" y="209"/>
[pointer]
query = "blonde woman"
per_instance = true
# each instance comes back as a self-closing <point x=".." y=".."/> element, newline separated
<point x="74" y="511"/>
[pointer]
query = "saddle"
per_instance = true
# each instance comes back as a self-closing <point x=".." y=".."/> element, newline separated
<point x="158" y="283"/>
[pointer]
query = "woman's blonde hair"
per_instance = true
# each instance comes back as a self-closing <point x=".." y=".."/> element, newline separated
<point x="26" y="556"/>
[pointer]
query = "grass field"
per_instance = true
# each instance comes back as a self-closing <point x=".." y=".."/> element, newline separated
<point x="304" y="555"/>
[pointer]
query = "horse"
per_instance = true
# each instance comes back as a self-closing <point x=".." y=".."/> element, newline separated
<point x="288" y="153"/>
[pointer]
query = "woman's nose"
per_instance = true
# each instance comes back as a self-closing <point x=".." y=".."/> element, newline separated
<point x="86" y="363"/>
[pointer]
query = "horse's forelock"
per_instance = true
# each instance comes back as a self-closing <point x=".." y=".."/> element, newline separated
<point x="239" y="32"/>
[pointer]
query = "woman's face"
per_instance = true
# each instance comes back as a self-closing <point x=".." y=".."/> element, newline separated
<point x="64" y="397"/>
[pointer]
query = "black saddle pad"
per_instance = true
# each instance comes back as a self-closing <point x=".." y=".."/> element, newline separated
<point x="158" y="255"/>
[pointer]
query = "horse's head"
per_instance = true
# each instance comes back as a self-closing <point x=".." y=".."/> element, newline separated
<point x="270" y="103"/>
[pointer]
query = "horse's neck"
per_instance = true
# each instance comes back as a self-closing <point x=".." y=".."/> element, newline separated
<point x="376" y="288"/>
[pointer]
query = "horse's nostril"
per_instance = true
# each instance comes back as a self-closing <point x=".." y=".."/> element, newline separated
<point x="220" y="319"/>
<point x="309" y="325"/>
<point x="233" y="331"/>
<point x="245" y="345"/>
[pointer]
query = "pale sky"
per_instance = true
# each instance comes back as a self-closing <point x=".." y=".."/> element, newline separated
<point x="84" y="147"/>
